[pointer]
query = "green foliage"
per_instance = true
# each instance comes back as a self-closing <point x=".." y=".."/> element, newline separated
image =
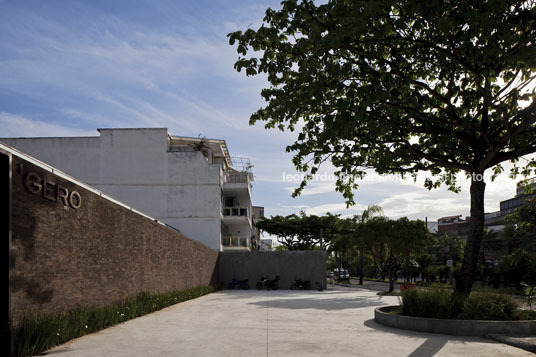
<point x="398" y="86"/>
<point x="489" y="306"/>
<point x="443" y="304"/>
<point x="300" y="232"/>
<point x="517" y="267"/>
<point x="524" y="218"/>
<point x="449" y="246"/>
<point x="440" y="273"/>
<point x="434" y="303"/>
<point x="37" y="333"/>
<point x="396" y="243"/>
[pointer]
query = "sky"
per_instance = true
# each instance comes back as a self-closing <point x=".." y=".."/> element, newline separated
<point x="70" y="67"/>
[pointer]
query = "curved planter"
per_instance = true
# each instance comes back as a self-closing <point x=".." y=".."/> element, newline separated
<point x="478" y="328"/>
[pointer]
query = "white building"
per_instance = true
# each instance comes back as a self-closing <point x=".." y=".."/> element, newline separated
<point x="266" y="244"/>
<point x="187" y="183"/>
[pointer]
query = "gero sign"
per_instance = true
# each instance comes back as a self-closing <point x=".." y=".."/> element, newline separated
<point x="51" y="191"/>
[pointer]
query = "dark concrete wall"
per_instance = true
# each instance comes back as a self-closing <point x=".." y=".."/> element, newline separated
<point x="289" y="265"/>
<point x="98" y="253"/>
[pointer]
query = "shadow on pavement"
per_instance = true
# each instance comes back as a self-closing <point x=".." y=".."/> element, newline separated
<point x="429" y="348"/>
<point x="335" y="303"/>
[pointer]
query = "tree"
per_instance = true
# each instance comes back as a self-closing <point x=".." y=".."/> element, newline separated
<point x="300" y="232"/>
<point x="360" y="234"/>
<point x="396" y="244"/>
<point x="343" y="241"/>
<point x="401" y="87"/>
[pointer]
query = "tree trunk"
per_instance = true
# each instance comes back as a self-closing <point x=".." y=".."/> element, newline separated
<point x="464" y="283"/>
<point x="391" y="280"/>
<point x="361" y="266"/>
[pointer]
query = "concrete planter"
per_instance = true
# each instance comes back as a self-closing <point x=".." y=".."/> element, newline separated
<point x="454" y="327"/>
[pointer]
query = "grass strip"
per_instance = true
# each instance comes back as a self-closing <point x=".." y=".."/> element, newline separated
<point x="37" y="333"/>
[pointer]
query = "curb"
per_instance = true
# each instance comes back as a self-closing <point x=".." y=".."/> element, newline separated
<point x="477" y="328"/>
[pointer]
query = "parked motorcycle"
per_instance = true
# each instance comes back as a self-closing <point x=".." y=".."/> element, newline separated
<point x="238" y="284"/>
<point x="301" y="285"/>
<point x="268" y="284"/>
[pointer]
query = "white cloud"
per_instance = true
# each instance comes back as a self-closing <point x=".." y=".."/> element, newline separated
<point x="312" y="188"/>
<point x="421" y="204"/>
<point x="19" y="126"/>
<point x="335" y="208"/>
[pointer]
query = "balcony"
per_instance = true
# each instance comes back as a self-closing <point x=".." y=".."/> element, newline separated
<point x="237" y="182"/>
<point x="235" y="212"/>
<point x="236" y="177"/>
<point x="236" y="215"/>
<point x="235" y="242"/>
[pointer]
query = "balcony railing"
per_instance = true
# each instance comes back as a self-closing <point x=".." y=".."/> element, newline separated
<point x="235" y="242"/>
<point x="236" y="177"/>
<point x="236" y="211"/>
<point x="492" y="215"/>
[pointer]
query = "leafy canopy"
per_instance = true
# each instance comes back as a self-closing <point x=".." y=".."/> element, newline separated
<point x="398" y="86"/>
<point x="300" y="232"/>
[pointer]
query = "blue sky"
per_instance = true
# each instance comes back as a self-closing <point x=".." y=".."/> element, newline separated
<point x="69" y="67"/>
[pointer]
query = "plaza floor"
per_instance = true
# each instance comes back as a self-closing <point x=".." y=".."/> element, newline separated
<point x="335" y="322"/>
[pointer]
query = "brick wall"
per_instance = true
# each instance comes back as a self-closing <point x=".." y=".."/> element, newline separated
<point x="98" y="253"/>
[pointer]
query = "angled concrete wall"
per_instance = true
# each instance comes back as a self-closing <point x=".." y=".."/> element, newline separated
<point x="71" y="246"/>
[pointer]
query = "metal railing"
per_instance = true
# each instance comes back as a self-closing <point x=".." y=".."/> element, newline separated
<point x="235" y="242"/>
<point x="236" y="211"/>
<point x="236" y="177"/>
<point x="492" y="215"/>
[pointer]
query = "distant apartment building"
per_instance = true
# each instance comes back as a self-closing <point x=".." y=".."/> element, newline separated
<point x="493" y="221"/>
<point x="524" y="191"/>
<point x="453" y="225"/>
<point x="191" y="184"/>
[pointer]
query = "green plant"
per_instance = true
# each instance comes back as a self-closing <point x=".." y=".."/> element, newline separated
<point x="434" y="303"/>
<point x="443" y="304"/>
<point x="37" y="333"/>
<point x="489" y="306"/>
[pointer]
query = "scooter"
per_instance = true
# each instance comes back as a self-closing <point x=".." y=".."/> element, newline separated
<point x="239" y="284"/>
<point x="268" y="284"/>
<point x="301" y="285"/>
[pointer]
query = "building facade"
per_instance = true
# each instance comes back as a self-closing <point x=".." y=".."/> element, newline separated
<point x="524" y="191"/>
<point x="453" y="225"/>
<point x="190" y="184"/>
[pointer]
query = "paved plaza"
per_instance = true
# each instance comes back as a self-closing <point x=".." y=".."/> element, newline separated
<point x="336" y="322"/>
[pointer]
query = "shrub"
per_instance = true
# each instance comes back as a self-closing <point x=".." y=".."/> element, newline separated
<point x="489" y="306"/>
<point x="435" y="303"/>
<point x="37" y="333"/>
<point x="443" y="304"/>
<point x="429" y="273"/>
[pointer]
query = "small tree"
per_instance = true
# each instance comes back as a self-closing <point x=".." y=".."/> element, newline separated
<point x="396" y="243"/>
<point x="401" y="86"/>
<point x="300" y="232"/>
<point x="360" y="234"/>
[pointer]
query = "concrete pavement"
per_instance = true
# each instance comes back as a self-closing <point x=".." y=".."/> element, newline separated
<point x="336" y="322"/>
